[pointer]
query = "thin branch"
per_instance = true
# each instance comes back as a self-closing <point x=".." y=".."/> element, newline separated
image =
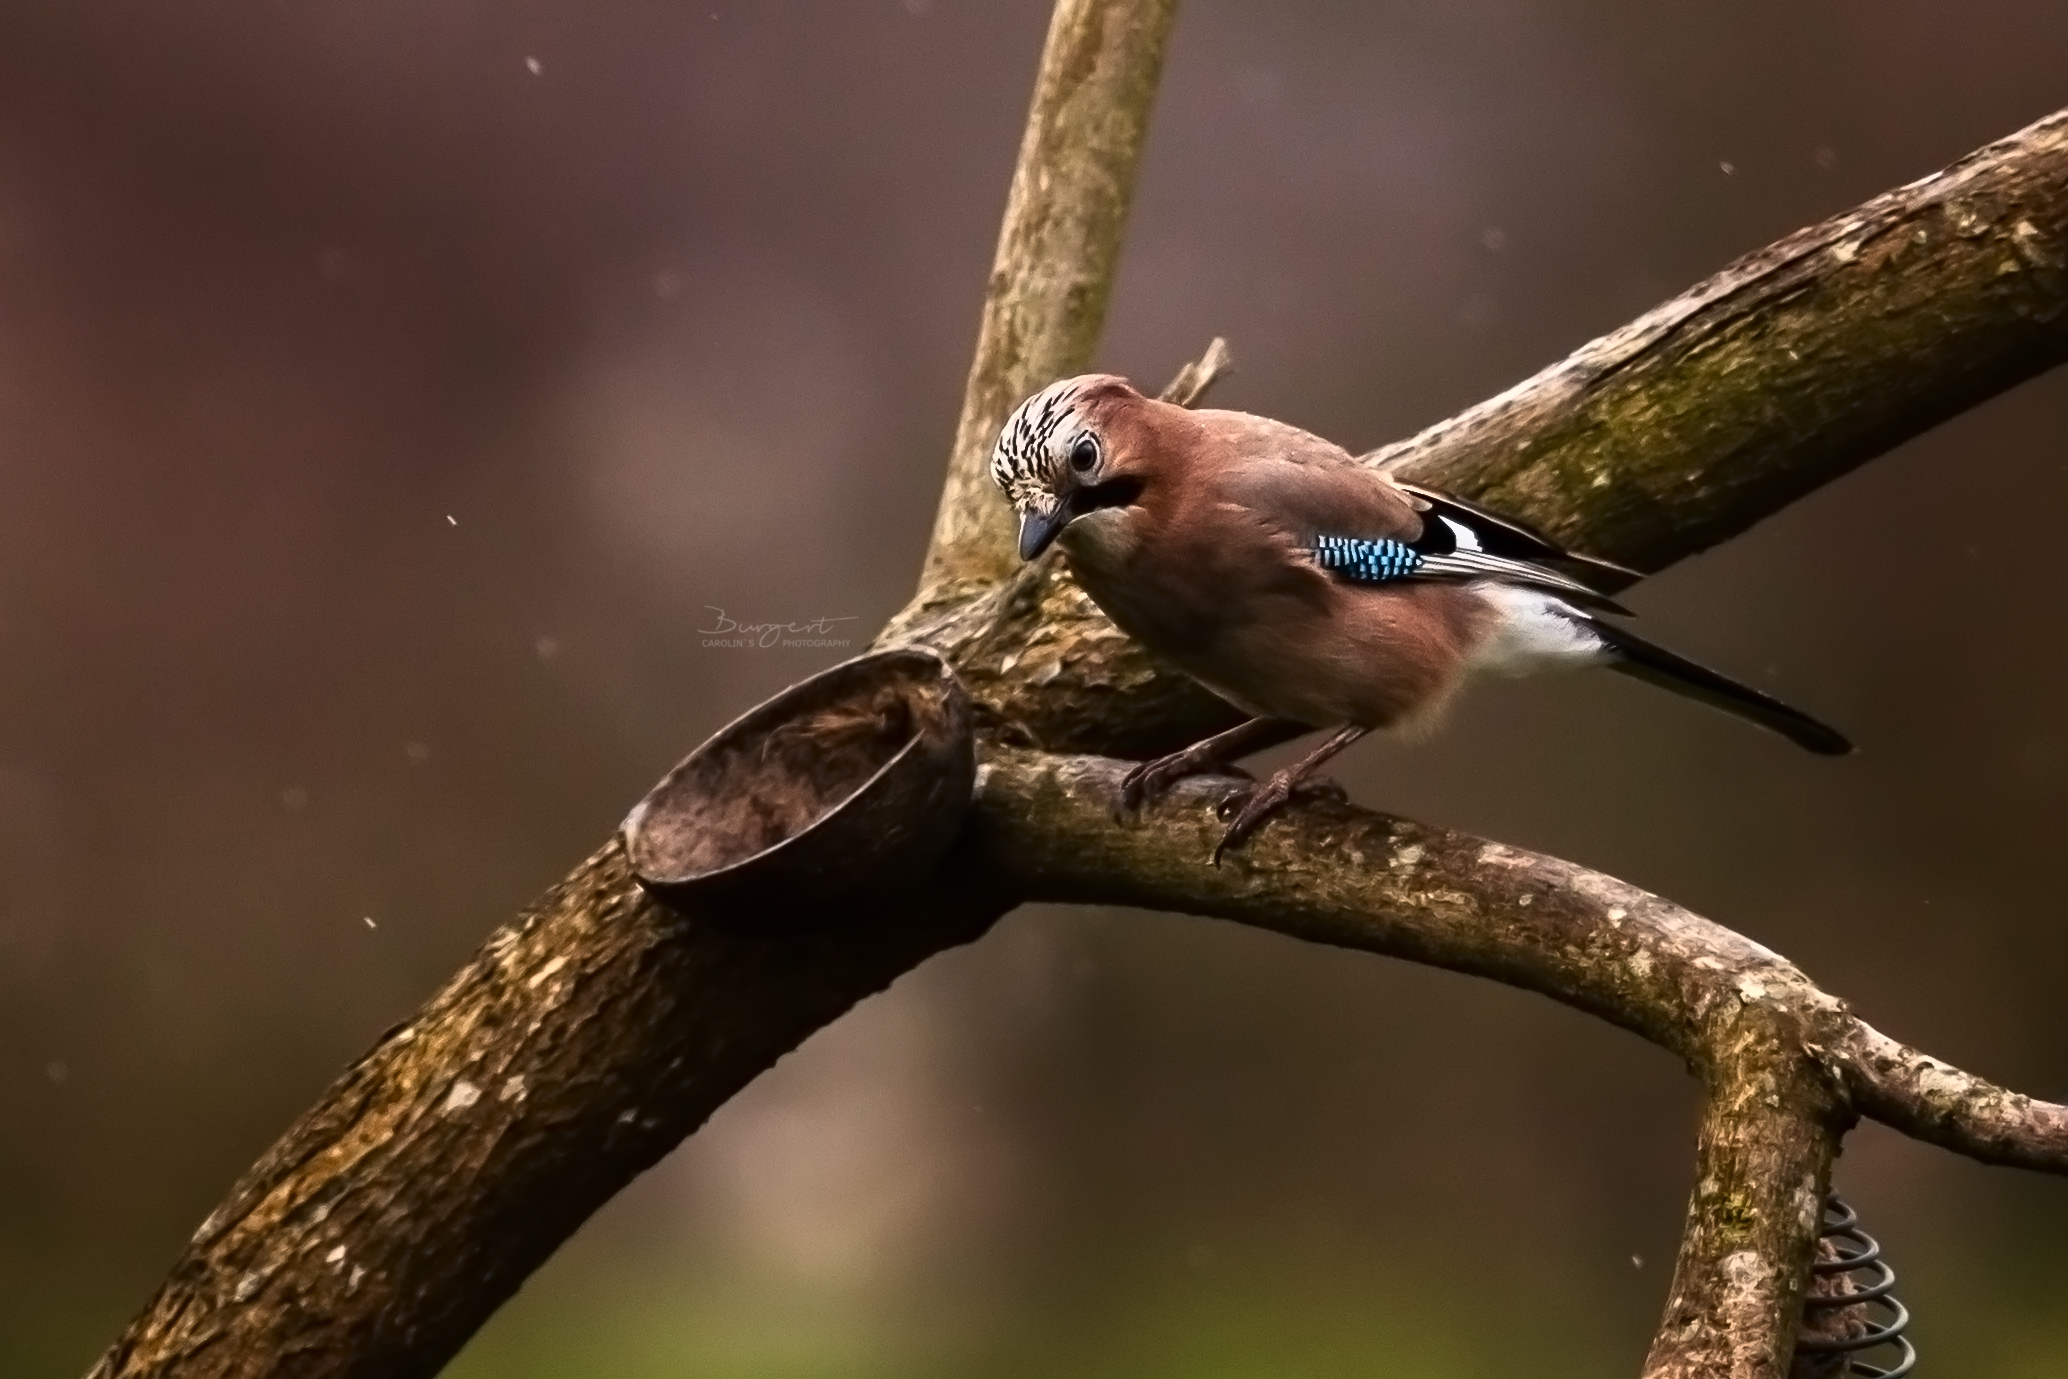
<point x="1340" y="875"/>
<point x="1057" y="251"/>
<point x="1780" y="1060"/>
<point x="1939" y="1103"/>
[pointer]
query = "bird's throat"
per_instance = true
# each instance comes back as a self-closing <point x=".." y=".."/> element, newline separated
<point x="1102" y="542"/>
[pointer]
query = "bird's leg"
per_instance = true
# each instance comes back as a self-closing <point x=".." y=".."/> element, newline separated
<point x="1149" y="780"/>
<point x="1259" y="801"/>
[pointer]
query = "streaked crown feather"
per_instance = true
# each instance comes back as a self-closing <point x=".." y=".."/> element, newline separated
<point x="1034" y="445"/>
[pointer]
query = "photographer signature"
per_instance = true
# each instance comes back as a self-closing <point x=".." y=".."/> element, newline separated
<point x="730" y="632"/>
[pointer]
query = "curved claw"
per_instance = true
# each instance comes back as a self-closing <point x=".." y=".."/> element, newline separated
<point x="1139" y="785"/>
<point x="1259" y="803"/>
<point x="1256" y="805"/>
<point x="1148" y="781"/>
<point x="1276" y="791"/>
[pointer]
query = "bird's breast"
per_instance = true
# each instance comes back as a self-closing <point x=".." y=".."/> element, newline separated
<point x="1156" y="591"/>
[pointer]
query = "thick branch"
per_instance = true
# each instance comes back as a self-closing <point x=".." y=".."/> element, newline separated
<point x="1770" y="1131"/>
<point x="1064" y="219"/>
<point x="579" y="1046"/>
<point x="1785" y="370"/>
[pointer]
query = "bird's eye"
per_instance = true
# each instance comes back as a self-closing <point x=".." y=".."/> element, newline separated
<point x="1084" y="454"/>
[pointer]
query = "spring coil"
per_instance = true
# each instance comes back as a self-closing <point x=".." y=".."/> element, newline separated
<point x="1849" y="1272"/>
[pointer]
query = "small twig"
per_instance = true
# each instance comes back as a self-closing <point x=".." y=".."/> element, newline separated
<point x="1197" y="378"/>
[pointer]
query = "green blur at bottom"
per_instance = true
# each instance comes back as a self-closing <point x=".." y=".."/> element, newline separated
<point x="1340" y="1329"/>
<point x="1157" y="1320"/>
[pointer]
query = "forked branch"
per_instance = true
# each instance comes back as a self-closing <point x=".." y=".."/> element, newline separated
<point x="594" y="1032"/>
<point x="1784" y="1066"/>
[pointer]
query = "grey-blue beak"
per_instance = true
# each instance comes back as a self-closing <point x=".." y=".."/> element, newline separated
<point x="1038" y="532"/>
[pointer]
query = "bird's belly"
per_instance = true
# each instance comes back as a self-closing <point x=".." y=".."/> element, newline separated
<point x="1307" y="666"/>
<point x="1304" y="703"/>
<point x="1305" y="685"/>
<point x="1217" y="639"/>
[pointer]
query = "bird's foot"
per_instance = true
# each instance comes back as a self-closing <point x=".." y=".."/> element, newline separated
<point x="1151" y="780"/>
<point x="1252" y="806"/>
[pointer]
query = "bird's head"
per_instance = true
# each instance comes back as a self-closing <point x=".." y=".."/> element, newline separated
<point x="1064" y="454"/>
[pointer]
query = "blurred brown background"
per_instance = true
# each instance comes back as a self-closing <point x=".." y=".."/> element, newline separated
<point x="389" y="389"/>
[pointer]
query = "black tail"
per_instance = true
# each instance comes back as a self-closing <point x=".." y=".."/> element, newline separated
<point x="1655" y="665"/>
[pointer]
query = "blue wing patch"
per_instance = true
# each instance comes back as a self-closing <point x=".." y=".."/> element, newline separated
<point x="1366" y="560"/>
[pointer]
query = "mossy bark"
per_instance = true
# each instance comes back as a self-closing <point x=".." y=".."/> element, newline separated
<point x="581" y="1044"/>
<point x="1785" y="370"/>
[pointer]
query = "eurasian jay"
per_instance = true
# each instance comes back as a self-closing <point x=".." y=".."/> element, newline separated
<point x="1305" y="588"/>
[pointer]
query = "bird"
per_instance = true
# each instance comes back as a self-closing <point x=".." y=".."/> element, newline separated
<point x="1310" y="591"/>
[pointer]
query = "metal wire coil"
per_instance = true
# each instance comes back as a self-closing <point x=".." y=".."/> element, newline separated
<point x="1850" y="1272"/>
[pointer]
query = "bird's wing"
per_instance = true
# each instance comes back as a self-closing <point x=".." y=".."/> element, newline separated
<point x="1499" y="535"/>
<point x="1295" y="480"/>
<point x="1363" y="528"/>
<point x="1459" y="541"/>
<point x="1441" y="554"/>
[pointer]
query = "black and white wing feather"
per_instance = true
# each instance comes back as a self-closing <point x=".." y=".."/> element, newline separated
<point x="1496" y="534"/>
<point x="1450" y="549"/>
<point x="1466" y="562"/>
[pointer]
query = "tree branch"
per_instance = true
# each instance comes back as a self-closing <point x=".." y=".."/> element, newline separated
<point x="591" y="1035"/>
<point x="581" y="1044"/>
<point x="1052" y="828"/>
<point x="1942" y="1105"/>
<point x="1064" y="222"/>
<point x="1784" y="371"/>
<point x="1762" y="1163"/>
<point x="1784" y="1065"/>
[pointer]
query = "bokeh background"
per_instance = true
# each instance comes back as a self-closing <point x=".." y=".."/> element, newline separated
<point x="391" y="390"/>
